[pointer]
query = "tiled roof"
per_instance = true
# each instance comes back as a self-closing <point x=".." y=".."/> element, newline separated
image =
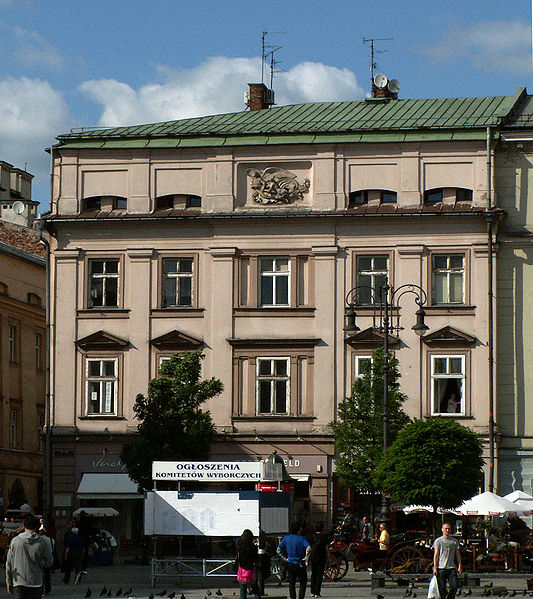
<point x="319" y="118"/>
<point x="22" y="238"/>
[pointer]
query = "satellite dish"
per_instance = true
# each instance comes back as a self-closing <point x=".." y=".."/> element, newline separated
<point x="18" y="207"/>
<point x="380" y="80"/>
<point x="394" y="86"/>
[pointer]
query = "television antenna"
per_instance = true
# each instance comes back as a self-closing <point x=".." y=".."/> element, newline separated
<point x="373" y="51"/>
<point x="268" y="50"/>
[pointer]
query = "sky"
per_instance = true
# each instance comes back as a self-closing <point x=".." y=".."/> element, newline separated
<point x="68" y="64"/>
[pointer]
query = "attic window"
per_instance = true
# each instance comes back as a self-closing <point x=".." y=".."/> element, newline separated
<point x="34" y="299"/>
<point x="433" y="196"/>
<point x="178" y="201"/>
<point x="372" y="196"/>
<point x="3" y="288"/>
<point x="448" y="195"/>
<point x="463" y="195"/>
<point x="90" y="204"/>
<point x="104" y="203"/>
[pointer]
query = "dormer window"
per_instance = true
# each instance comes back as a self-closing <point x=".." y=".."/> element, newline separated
<point x="372" y="196"/>
<point x="178" y="202"/>
<point x="447" y="195"/>
<point x="104" y="203"/>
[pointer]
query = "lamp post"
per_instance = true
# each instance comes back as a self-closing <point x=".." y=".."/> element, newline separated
<point x="384" y="305"/>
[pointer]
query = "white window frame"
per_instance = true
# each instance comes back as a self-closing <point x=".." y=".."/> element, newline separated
<point x="274" y="274"/>
<point x="273" y="378"/>
<point x="178" y="276"/>
<point x="448" y="375"/>
<point x="357" y="367"/>
<point x="447" y="271"/>
<point x="104" y="276"/>
<point x="372" y="273"/>
<point x="12" y="340"/>
<point x="103" y="391"/>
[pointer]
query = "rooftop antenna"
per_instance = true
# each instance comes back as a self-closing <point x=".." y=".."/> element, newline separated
<point x="264" y="53"/>
<point x="373" y="51"/>
<point x="273" y="63"/>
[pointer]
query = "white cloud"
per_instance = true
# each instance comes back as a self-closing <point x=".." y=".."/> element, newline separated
<point x="492" y="46"/>
<point x="215" y="86"/>
<point x="34" y="50"/>
<point x="32" y="113"/>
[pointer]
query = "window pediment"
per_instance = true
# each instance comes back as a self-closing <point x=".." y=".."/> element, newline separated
<point x="102" y="341"/>
<point x="371" y="338"/>
<point x="175" y="340"/>
<point x="449" y="336"/>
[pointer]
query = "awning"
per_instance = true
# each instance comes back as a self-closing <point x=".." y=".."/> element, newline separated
<point x="97" y="512"/>
<point x="107" y="486"/>
<point x="300" y="478"/>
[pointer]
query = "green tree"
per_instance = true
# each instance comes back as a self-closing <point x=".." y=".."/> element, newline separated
<point x="172" y="425"/>
<point x="435" y="462"/>
<point x="358" y="430"/>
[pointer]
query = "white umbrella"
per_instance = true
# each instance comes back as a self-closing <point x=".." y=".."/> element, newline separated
<point x="490" y="504"/>
<point x="414" y="509"/>
<point x="521" y="499"/>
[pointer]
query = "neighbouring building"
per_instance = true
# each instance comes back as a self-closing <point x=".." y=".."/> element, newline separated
<point x="16" y="205"/>
<point x="514" y="193"/>
<point x="241" y="234"/>
<point x="22" y="366"/>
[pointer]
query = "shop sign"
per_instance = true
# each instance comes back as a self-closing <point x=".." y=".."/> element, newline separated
<point x="208" y="471"/>
<point x="108" y="463"/>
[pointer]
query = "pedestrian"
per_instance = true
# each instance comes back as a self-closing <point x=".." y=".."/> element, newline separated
<point x="295" y="550"/>
<point x="366" y="532"/>
<point x="74" y="553"/>
<point x="246" y="560"/>
<point x="26" y="557"/>
<point x="263" y="562"/>
<point x="47" y="570"/>
<point x="319" y="556"/>
<point x="445" y="554"/>
<point x="384" y="537"/>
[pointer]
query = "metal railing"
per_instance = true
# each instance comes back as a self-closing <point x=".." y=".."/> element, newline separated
<point x="185" y="567"/>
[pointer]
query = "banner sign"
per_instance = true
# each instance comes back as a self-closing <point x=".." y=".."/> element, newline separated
<point x="208" y="471"/>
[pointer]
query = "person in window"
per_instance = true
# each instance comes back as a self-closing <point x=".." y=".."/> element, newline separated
<point x="453" y="404"/>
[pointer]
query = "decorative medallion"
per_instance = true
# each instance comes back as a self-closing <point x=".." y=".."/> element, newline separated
<point x="276" y="185"/>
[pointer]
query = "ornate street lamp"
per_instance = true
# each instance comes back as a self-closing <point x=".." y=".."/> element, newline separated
<point x="383" y="300"/>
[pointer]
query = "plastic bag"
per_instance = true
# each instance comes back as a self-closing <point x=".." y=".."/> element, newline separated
<point x="433" y="591"/>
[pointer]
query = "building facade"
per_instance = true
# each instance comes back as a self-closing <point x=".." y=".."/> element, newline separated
<point x="22" y="366"/>
<point x="16" y="205"/>
<point x="241" y="235"/>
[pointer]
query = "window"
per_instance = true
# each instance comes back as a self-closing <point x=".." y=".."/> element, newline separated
<point x="372" y="275"/>
<point x="90" y="204"/>
<point x="274" y="281"/>
<point x="103" y="283"/>
<point x="177" y="282"/>
<point x="13" y="421"/>
<point x="3" y="288"/>
<point x="12" y="340"/>
<point x="38" y="351"/>
<point x="464" y="195"/>
<point x="273" y="385"/>
<point x="448" y="385"/>
<point x="120" y="204"/>
<point x="106" y="203"/>
<point x="362" y="365"/>
<point x="193" y="202"/>
<point x="364" y="196"/>
<point x="40" y="427"/>
<point x="178" y="201"/>
<point x="102" y="386"/>
<point x="448" y="278"/>
<point x="34" y="299"/>
<point x="433" y="196"/>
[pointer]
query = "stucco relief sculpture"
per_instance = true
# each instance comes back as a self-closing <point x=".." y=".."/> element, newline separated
<point x="275" y="185"/>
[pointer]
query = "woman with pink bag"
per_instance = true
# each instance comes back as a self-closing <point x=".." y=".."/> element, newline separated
<point x="246" y="561"/>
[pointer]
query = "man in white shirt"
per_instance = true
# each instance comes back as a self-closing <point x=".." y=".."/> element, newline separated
<point x="445" y="554"/>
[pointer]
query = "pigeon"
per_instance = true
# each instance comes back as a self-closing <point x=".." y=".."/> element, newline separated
<point x="171" y="595"/>
<point x="458" y="593"/>
<point x="380" y="597"/>
<point x="488" y="585"/>
<point x="219" y="592"/>
<point x="468" y="592"/>
<point x="408" y="593"/>
<point x="486" y="593"/>
<point x="119" y="592"/>
<point x="88" y="593"/>
<point x="209" y="593"/>
<point x="103" y="592"/>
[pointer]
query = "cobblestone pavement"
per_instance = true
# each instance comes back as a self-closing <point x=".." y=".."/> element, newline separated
<point x="353" y="586"/>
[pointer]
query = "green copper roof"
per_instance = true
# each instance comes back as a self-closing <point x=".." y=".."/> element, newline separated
<point x="320" y="122"/>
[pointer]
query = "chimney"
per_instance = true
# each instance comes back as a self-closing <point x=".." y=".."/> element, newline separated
<point x="383" y="92"/>
<point x="259" y="96"/>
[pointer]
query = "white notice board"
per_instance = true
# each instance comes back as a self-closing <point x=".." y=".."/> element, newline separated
<point x="199" y="514"/>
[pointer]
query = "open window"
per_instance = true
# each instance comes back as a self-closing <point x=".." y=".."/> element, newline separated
<point x="178" y="202"/>
<point x="372" y="196"/>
